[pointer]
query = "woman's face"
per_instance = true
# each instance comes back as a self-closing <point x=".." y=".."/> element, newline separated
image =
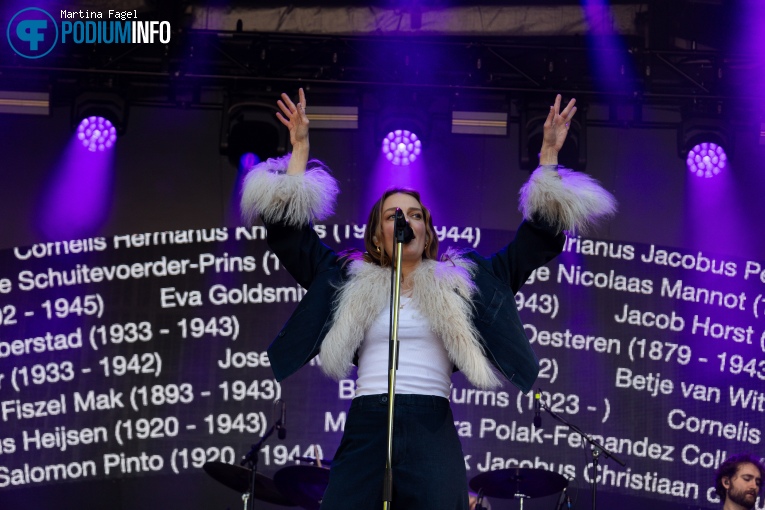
<point x="414" y="215"/>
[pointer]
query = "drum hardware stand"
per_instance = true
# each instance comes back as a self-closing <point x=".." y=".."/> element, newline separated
<point x="403" y="234"/>
<point x="595" y="447"/>
<point x="250" y="461"/>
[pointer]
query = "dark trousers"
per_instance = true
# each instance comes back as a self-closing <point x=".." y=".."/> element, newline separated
<point x="428" y="464"/>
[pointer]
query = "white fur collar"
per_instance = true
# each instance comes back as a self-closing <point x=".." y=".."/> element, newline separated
<point x="442" y="292"/>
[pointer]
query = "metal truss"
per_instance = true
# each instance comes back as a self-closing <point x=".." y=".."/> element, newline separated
<point x="198" y="67"/>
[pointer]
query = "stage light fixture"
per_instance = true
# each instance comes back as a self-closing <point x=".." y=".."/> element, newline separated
<point x="250" y="132"/>
<point x="98" y="118"/>
<point x="532" y="119"/>
<point x="25" y="103"/>
<point x="333" y="117"/>
<point x="479" y="123"/>
<point x="401" y="147"/>
<point x="96" y="133"/>
<point x="248" y="160"/>
<point x="704" y="144"/>
<point x="402" y="134"/>
<point x="706" y="159"/>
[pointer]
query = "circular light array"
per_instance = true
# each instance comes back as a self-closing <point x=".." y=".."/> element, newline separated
<point x="96" y="133"/>
<point x="401" y="147"/>
<point x="706" y="160"/>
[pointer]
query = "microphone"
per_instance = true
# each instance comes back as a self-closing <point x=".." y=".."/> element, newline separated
<point x="281" y="425"/>
<point x="537" y="415"/>
<point x="562" y="499"/>
<point x="404" y="232"/>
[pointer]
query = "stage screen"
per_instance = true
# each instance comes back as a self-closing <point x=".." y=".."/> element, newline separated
<point x="129" y="362"/>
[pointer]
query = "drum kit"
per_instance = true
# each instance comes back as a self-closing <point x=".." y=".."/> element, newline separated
<point x="518" y="483"/>
<point x="300" y="485"/>
<point x="303" y="485"/>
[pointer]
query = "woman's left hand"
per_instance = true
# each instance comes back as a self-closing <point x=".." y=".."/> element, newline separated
<point x="557" y="125"/>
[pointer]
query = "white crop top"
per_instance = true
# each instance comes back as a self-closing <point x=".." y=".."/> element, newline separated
<point x="424" y="367"/>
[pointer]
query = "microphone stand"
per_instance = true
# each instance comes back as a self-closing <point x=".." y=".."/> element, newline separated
<point x="596" y="448"/>
<point x="250" y="460"/>
<point x="398" y="242"/>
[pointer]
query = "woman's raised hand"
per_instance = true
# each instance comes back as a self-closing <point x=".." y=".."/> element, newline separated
<point x="555" y="131"/>
<point x="293" y="116"/>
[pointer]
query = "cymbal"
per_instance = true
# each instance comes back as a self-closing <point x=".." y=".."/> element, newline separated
<point x="519" y="483"/>
<point x="312" y="460"/>
<point x="238" y="478"/>
<point x="305" y="485"/>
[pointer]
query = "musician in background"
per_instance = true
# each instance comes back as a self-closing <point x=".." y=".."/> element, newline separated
<point x="738" y="481"/>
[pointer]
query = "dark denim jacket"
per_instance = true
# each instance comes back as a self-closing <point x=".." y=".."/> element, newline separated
<point x="321" y="271"/>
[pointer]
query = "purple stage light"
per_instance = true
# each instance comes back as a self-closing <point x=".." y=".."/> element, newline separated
<point x="706" y="160"/>
<point x="401" y="147"/>
<point x="96" y="133"/>
<point x="248" y="160"/>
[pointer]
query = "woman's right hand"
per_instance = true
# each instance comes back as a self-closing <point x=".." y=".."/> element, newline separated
<point x="294" y="118"/>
